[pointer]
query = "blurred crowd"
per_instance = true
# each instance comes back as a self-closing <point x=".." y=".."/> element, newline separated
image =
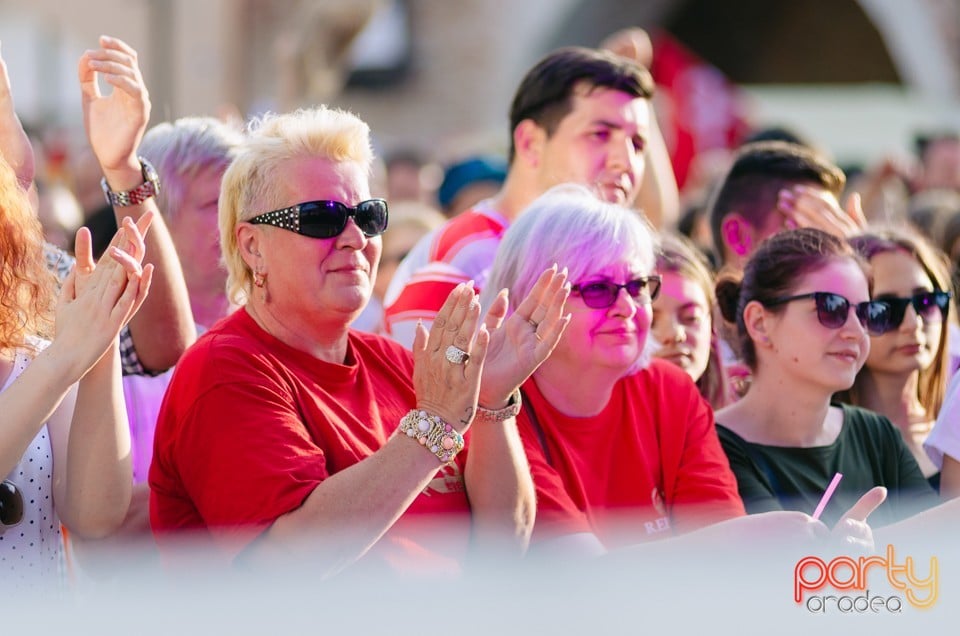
<point x="651" y="320"/>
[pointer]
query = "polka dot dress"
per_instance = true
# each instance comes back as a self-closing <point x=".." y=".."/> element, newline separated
<point x="31" y="551"/>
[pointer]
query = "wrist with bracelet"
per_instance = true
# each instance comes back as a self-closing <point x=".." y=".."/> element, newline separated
<point x="432" y="433"/>
<point x="149" y="188"/>
<point x="499" y="415"/>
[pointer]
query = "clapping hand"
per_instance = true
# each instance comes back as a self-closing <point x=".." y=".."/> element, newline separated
<point x="520" y="344"/>
<point x="98" y="299"/>
<point x="449" y="360"/>
<point x="14" y="144"/>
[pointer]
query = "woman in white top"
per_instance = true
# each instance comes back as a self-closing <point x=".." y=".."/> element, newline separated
<point x="64" y="441"/>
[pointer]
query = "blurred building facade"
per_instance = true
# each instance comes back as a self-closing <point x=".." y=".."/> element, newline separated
<point x="447" y="70"/>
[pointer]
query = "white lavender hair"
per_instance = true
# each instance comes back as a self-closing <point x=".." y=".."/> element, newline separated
<point x="571" y="227"/>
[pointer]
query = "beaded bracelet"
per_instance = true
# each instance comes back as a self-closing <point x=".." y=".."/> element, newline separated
<point x="433" y="434"/>
<point x="499" y="415"/>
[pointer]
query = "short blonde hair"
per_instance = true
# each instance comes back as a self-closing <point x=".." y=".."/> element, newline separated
<point x="253" y="183"/>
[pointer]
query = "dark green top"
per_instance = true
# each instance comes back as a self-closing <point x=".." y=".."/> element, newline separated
<point x="868" y="451"/>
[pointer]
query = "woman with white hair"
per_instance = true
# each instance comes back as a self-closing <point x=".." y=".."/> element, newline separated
<point x="622" y="448"/>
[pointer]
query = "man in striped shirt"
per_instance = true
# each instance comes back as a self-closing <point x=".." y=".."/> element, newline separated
<point x="580" y="115"/>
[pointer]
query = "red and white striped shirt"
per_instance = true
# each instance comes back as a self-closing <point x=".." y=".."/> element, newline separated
<point x="462" y="249"/>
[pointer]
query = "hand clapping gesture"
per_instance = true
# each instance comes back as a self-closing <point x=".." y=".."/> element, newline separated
<point x="520" y="344"/>
<point x="504" y="352"/>
<point x="449" y="360"/>
<point x="98" y="300"/>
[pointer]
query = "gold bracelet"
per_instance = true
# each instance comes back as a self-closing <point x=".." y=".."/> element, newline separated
<point x="498" y="415"/>
<point x="433" y="433"/>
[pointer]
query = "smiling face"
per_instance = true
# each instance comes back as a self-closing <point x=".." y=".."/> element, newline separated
<point x="682" y="324"/>
<point x="799" y="347"/>
<point x="913" y="345"/>
<point x="599" y="143"/>
<point x="610" y="338"/>
<point x="319" y="281"/>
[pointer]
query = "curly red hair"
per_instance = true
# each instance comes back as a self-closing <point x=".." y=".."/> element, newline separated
<point x="27" y="286"/>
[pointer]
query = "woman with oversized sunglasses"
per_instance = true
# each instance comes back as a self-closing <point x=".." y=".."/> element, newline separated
<point x="906" y="373"/>
<point x="289" y="438"/>
<point x="804" y="320"/>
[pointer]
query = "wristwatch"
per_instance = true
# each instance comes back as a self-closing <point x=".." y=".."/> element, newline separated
<point x="149" y="188"/>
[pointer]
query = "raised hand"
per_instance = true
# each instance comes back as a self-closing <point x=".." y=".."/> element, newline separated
<point x="633" y="43"/>
<point x="127" y="249"/>
<point x="804" y="206"/>
<point x="14" y="144"/>
<point x="446" y="388"/>
<point x="115" y="123"/>
<point x="520" y="344"/>
<point x="97" y="301"/>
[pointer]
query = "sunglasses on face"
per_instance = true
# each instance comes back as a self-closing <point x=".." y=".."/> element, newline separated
<point x="327" y="219"/>
<point x="603" y="294"/>
<point x="11" y="505"/>
<point x="833" y="310"/>
<point x="931" y="306"/>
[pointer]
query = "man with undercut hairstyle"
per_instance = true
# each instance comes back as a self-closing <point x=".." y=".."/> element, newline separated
<point x="772" y="186"/>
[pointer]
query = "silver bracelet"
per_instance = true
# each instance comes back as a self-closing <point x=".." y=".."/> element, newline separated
<point x="510" y="410"/>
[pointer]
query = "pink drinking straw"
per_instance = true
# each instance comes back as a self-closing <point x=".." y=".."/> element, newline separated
<point x="826" y="495"/>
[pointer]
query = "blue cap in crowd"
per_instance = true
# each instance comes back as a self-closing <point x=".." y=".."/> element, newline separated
<point x="473" y="170"/>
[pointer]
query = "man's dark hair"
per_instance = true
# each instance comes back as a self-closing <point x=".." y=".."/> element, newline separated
<point x="544" y="93"/>
<point x="776" y="133"/>
<point x="760" y="170"/>
<point x="923" y="140"/>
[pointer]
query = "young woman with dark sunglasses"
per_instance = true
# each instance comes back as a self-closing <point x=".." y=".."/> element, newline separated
<point x="905" y="375"/>
<point x="804" y="319"/>
<point x="289" y="438"/>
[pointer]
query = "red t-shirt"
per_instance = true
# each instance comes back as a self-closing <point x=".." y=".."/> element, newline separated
<point x="649" y="465"/>
<point x="250" y="426"/>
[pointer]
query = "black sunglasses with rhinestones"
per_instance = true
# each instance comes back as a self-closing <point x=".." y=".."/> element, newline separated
<point x="932" y="306"/>
<point x="326" y="219"/>
<point x="602" y="294"/>
<point x="11" y="505"/>
<point x="833" y="310"/>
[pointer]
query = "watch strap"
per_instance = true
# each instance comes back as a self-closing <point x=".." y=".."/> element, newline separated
<point x="149" y="188"/>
